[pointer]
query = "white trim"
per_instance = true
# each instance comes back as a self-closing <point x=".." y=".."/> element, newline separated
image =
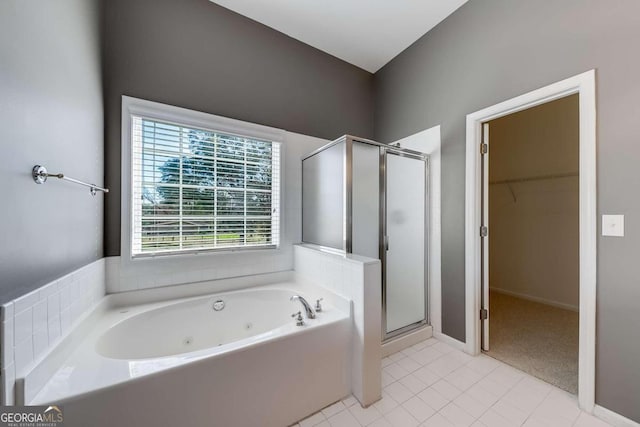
<point x="583" y="84"/>
<point x="458" y="345"/>
<point x="428" y="142"/>
<point x="613" y="418"/>
<point x="484" y="291"/>
<point x="134" y="106"/>
<point x="537" y="299"/>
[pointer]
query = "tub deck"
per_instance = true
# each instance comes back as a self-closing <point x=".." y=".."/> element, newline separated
<point x="86" y="371"/>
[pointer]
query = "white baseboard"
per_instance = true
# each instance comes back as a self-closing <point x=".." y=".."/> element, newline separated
<point x="537" y="299"/>
<point x="613" y="418"/>
<point x="459" y="345"/>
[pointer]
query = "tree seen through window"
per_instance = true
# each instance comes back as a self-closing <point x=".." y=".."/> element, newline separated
<point x="203" y="189"/>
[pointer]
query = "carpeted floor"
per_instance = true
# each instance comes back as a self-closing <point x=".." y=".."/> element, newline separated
<point x="536" y="338"/>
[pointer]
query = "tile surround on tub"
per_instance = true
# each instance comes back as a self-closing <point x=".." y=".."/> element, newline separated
<point x="357" y="279"/>
<point x="332" y="271"/>
<point x="164" y="293"/>
<point x="121" y="277"/>
<point x="36" y="322"/>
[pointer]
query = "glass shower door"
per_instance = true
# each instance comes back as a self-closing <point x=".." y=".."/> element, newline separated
<point x="404" y="249"/>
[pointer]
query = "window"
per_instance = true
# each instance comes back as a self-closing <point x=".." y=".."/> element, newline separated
<point x="197" y="189"/>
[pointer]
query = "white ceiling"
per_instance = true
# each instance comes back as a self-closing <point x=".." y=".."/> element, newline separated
<point x="365" y="33"/>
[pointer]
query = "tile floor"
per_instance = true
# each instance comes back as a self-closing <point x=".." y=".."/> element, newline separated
<point x="433" y="384"/>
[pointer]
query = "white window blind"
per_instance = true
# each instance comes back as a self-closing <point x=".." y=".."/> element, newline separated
<point x="200" y="190"/>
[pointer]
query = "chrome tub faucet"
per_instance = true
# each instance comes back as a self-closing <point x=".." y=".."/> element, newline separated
<point x="307" y="307"/>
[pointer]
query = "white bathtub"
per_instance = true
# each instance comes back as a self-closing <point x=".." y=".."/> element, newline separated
<point x="194" y="325"/>
<point x="181" y="362"/>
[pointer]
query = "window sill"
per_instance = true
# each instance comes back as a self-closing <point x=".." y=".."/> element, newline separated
<point x="205" y="253"/>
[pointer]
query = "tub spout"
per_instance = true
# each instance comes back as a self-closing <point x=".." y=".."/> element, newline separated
<point x="307" y="307"/>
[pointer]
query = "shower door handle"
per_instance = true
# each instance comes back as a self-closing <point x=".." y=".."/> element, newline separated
<point x="386" y="243"/>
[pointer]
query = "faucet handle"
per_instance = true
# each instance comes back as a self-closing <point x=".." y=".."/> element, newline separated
<point x="299" y="319"/>
<point x="318" y="306"/>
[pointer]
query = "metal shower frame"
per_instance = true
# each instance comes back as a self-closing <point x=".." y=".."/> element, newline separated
<point x="347" y="244"/>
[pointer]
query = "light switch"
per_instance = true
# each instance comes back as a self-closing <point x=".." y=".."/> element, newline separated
<point x="613" y="225"/>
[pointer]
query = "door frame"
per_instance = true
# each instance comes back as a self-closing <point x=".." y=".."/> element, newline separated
<point x="585" y="85"/>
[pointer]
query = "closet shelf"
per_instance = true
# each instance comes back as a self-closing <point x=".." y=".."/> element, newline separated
<point x="534" y="178"/>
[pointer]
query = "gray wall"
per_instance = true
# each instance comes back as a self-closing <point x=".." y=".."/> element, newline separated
<point x="50" y="113"/>
<point x="492" y="50"/>
<point x="198" y="55"/>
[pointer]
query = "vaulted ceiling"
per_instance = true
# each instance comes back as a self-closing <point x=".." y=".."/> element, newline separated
<point x="365" y="33"/>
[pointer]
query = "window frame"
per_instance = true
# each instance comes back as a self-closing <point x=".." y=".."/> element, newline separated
<point x="189" y="118"/>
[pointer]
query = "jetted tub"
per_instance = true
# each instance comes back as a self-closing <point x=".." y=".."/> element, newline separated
<point x="230" y="359"/>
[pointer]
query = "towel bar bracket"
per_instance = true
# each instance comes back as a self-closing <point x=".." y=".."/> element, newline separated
<point x="40" y="175"/>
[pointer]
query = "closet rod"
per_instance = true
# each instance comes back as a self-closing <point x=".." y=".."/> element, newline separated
<point x="534" y="178"/>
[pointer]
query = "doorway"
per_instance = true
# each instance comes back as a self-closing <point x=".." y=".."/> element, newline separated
<point x="585" y="86"/>
<point x="530" y="254"/>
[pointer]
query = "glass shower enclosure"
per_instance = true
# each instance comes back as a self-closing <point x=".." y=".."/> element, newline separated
<point x="367" y="198"/>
